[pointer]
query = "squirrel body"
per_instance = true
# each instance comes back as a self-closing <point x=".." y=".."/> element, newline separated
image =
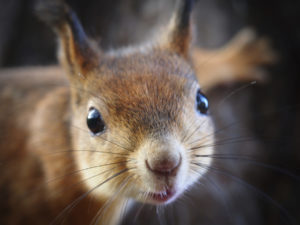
<point x="119" y="127"/>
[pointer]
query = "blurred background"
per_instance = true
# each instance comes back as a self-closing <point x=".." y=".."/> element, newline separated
<point x="267" y="113"/>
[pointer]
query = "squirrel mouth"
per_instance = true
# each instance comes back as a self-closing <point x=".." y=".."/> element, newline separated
<point x="162" y="197"/>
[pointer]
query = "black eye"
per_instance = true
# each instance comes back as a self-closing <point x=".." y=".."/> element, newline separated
<point x="201" y="103"/>
<point x="95" y="121"/>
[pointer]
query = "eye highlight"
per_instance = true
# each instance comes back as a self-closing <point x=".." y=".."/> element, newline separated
<point x="95" y="122"/>
<point x="201" y="103"/>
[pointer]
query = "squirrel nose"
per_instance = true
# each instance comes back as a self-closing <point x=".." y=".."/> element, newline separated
<point x="164" y="165"/>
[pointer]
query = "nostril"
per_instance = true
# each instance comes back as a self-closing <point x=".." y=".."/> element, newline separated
<point x="164" y="166"/>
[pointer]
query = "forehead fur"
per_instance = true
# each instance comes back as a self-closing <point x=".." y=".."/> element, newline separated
<point x="143" y="91"/>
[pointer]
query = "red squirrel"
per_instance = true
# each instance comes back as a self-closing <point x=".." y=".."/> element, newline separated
<point x="112" y="126"/>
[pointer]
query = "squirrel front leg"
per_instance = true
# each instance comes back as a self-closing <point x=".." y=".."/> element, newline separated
<point x="239" y="60"/>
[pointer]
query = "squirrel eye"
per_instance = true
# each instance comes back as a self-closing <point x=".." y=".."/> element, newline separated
<point x="201" y="103"/>
<point x="95" y="122"/>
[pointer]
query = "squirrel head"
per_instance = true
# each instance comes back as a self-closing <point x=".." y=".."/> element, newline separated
<point x="138" y="115"/>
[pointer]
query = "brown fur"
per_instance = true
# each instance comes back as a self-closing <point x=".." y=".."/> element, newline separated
<point x="142" y="95"/>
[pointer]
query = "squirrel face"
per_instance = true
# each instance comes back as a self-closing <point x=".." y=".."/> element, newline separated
<point x="138" y="113"/>
<point x="139" y="118"/>
<point x="149" y="113"/>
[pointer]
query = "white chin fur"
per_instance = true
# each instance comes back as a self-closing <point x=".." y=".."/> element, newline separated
<point x="177" y="184"/>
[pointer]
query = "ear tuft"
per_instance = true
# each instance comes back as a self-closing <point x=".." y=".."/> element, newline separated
<point x="179" y="34"/>
<point x="53" y="12"/>
<point x="78" y="55"/>
<point x="183" y="14"/>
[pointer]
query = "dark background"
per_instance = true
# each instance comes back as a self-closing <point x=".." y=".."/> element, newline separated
<point x="270" y="112"/>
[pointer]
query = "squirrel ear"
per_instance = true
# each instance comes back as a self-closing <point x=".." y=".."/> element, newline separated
<point x="179" y="34"/>
<point x="76" y="51"/>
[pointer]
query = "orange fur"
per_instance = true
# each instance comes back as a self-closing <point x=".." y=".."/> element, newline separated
<point x="147" y="100"/>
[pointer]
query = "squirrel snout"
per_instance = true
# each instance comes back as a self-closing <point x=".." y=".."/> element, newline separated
<point x="166" y="165"/>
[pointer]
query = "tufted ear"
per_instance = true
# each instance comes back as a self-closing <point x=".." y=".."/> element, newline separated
<point x="178" y="36"/>
<point x="77" y="53"/>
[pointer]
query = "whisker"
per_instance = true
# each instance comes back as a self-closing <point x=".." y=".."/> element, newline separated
<point x="12" y="163"/>
<point x="160" y="215"/>
<point x="102" y="210"/>
<point x="138" y="213"/>
<point x="193" y="132"/>
<point x="216" y="132"/>
<point x="234" y="123"/>
<point x="234" y="140"/>
<point x="220" y="144"/>
<point x="40" y="188"/>
<point x="77" y="200"/>
<point x="232" y="93"/>
<point x="93" y="167"/>
<point x="202" y="185"/>
<point x="247" y="159"/>
<point x="84" y="180"/>
<point x="228" y="207"/>
<point x="220" y="103"/>
<point x="102" y="138"/>
<point x="191" y="123"/>
<point x="249" y="186"/>
<point x="86" y="150"/>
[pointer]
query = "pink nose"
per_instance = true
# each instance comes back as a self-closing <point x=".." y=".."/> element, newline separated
<point x="164" y="166"/>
